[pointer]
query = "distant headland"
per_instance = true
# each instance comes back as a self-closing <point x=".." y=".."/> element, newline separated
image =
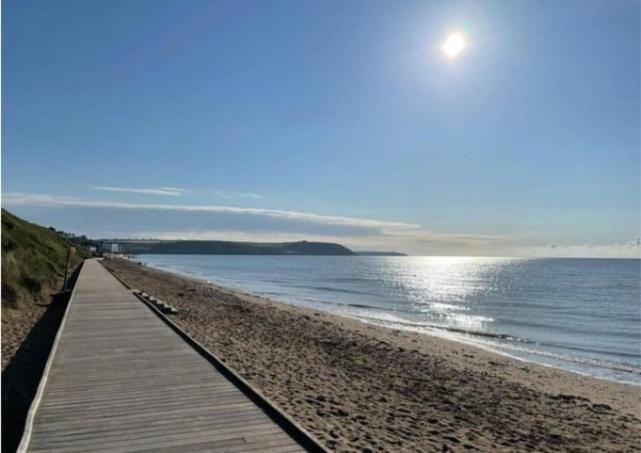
<point x="195" y="247"/>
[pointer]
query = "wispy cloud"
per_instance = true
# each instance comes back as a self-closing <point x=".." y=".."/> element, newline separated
<point x="184" y="221"/>
<point x="31" y="199"/>
<point x="136" y="220"/>
<point x="177" y="191"/>
<point x="166" y="191"/>
<point x="230" y="195"/>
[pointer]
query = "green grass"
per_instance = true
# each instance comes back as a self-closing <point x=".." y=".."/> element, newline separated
<point x="33" y="260"/>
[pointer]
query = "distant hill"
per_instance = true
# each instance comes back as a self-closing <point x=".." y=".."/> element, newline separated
<point x="368" y="253"/>
<point x="230" y="248"/>
<point x="33" y="259"/>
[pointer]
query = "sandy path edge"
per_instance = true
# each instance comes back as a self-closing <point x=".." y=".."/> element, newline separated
<point x="358" y="386"/>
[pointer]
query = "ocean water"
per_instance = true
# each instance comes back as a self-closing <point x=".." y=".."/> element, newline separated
<point x="582" y="315"/>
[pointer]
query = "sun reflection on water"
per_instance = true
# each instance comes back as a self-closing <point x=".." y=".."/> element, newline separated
<point x="443" y="290"/>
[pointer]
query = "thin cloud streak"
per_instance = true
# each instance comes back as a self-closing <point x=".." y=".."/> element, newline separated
<point x="31" y="199"/>
<point x="178" y="191"/>
<point x="227" y="195"/>
<point x="226" y="223"/>
<point x="165" y="191"/>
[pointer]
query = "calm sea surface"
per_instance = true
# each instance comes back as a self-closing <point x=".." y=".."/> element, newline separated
<point x="582" y="315"/>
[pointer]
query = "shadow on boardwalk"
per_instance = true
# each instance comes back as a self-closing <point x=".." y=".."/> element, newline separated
<point x="21" y="377"/>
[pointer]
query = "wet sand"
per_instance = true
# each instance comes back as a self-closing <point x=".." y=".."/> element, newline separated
<point x="359" y="387"/>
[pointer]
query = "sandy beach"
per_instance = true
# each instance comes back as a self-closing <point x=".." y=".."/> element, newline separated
<point x="359" y="387"/>
<point x="16" y="325"/>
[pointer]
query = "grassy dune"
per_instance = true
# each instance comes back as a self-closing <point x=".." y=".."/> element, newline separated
<point x="33" y="266"/>
<point x="33" y="260"/>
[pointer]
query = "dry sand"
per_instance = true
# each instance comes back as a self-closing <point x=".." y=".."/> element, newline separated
<point x="364" y="388"/>
<point x="17" y="323"/>
<point x="28" y="332"/>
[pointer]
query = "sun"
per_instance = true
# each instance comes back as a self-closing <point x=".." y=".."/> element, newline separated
<point x="454" y="45"/>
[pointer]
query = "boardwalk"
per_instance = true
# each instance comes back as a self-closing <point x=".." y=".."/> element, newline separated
<point x="122" y="380"/>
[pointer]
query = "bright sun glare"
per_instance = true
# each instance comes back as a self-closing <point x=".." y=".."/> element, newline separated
<point x="454" y="45"/>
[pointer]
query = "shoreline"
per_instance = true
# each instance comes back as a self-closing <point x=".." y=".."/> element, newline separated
<point x="435" y="331"/>
<point x="492" y="350"/>
<point x="356" y="385"/>
<point x="350" y="319"/>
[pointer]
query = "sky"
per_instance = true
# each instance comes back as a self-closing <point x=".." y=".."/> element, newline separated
<point x="328" y="120"/>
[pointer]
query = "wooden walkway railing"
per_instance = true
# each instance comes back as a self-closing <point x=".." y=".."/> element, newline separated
<point x="120" y="380"/>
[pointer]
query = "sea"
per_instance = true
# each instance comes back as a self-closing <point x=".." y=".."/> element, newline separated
<point x="581" y="315"/>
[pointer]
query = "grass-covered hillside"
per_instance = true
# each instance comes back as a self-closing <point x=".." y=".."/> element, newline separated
<point x="33" y="260"/>
<point x="231" y="248"/>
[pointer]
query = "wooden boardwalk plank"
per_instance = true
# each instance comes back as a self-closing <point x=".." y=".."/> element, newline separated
<point x="121" y="380"/>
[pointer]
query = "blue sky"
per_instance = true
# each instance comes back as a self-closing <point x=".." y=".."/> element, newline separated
<point x="336" y="121"/>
